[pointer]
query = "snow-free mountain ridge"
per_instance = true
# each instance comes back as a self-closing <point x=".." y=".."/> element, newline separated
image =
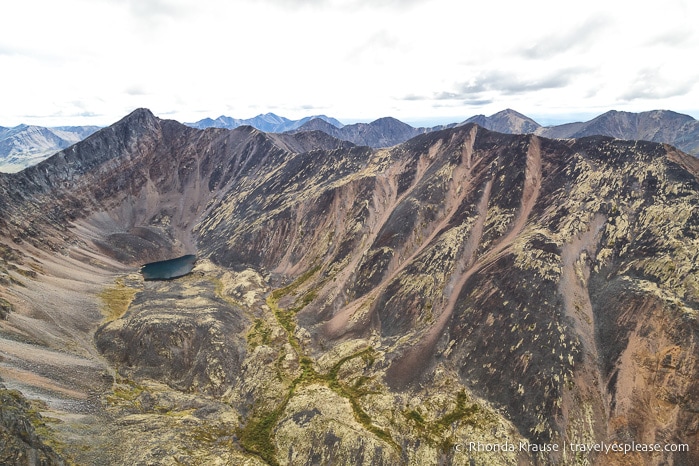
<point x="269" y="122"/>
<point x="24" y="146"/>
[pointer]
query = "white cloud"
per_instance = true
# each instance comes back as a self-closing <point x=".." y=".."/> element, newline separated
<point x="355" y="59"/>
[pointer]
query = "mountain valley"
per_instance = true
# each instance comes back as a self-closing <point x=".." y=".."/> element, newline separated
<point x="350" y="304"/>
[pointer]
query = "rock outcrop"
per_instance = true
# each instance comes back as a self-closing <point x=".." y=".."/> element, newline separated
<point x="19" y="443"/>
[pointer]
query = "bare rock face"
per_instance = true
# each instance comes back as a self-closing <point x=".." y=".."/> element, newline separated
<point x="20" y="443"/>
<point x="180" y="332"/>
<point x="362" y="306"/>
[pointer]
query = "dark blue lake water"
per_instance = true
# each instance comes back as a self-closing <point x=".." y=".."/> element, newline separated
<point x="172" y="268"/>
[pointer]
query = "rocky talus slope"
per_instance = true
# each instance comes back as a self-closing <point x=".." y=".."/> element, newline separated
<point x="354" y="305"/>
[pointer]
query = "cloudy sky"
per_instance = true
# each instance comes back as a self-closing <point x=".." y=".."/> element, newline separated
<point x="422" y="61"/>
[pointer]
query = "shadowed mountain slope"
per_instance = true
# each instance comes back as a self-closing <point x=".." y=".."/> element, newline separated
<point x="681" y="131"/>
<point x="663" y="126"/>
<point x="358" y="305"/>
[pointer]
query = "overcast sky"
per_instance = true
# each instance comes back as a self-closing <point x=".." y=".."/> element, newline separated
<point x="93" y="61"/>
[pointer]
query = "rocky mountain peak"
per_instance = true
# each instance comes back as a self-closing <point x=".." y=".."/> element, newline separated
<point x="388" y="121"/>
<point x="506" y="121"/>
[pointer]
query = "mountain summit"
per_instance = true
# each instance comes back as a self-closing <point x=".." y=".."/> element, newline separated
<point x="506" y="121"/>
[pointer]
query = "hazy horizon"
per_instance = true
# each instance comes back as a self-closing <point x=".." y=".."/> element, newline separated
<point x="90" y="63"/>
<point x="542" y="119"/>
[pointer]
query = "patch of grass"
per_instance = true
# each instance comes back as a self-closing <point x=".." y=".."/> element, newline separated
<point x="303" y="301"/>
<point x="415" y="416"/>
<point x="366" y="421"/>
<point x="214" y="434"/>
<point x="354" y="392"/>
<point x="308" y="373"/>
<point x="462" y="412"/>
<point x="116" y="300"/>
<point x="285" y="319"/>
<point x="218" y="291"/>
<point x="367" y="354"/>
<point x="125" y="391"/>
<point x="293" y="286"/>
<point x="259" y="334"/>
<point x="256" y="436"/>
<point x="434" y="432"/>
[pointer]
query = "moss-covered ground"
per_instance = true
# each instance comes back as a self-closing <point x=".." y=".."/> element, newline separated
<point x="257" y="435"/>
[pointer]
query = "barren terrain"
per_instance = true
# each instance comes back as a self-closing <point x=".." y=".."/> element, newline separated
<point x="349" y="305"/>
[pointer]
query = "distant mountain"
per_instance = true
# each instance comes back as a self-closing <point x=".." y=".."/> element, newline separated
<point x="676" y="129"/>
<point x="681" y="131"/>
<point x="506" y="121"/>
<point x="25" y="145"/>
<point x="384" y="132"/>
<point x="269" y="122"/>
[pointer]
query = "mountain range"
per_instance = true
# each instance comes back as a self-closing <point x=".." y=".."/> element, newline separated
<point x="269" y="122"/>
<point x="24" y="145"/>
<point x="681" y="131"/>
<point x="350" y="305"/>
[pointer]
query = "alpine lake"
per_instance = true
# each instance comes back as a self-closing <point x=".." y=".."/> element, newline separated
<point x="169" y="269"/>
